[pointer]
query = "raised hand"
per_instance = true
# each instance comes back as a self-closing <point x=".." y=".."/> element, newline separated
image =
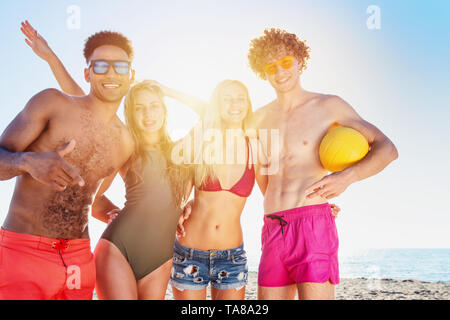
<point x="155" y="83"/>
<point x="52" y="170"/>
<point x="36" y="41"/>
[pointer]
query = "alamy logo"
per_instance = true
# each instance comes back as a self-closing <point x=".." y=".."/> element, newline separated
<point x="374" y="20"/>
<point x="73" y="277"/>
<point x="74" y="18"/>
<point x="212" y="146"/>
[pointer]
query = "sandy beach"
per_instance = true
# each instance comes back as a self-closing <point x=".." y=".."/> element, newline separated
<point x="369" y="289"/>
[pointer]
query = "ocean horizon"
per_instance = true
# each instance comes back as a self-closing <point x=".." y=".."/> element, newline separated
<point x="429" y="265"/>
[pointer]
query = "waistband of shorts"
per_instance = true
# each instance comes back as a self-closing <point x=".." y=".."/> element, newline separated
<point x="298" y="213"/>
<point x="192" y="253"/>
<point x="25" y="240"/>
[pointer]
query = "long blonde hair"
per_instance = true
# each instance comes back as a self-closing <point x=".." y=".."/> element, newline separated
<point x="212" y="120"/>
<point x="178" y="175"/>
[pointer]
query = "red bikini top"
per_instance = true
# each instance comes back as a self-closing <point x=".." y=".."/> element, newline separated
<point x="242" y="188"/>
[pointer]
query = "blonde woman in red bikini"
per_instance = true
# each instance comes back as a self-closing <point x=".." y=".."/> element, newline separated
<point x="210" y="247"/>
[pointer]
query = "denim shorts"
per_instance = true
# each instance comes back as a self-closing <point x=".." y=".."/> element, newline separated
<point x="193" y="269"/>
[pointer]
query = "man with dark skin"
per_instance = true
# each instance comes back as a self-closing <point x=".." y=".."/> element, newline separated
<point x="64" y="150"/>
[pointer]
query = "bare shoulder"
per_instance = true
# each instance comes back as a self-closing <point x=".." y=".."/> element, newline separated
<point x="29" y="124"/>
<point x="331" y="105"/>
<point x="260" y="115"/>
<point x="265" y="109"/>
<point x="51" y="93"/>
<point x="333" y="102"/>
<point x="48" y="100"/>
<point x="342" y="112"/>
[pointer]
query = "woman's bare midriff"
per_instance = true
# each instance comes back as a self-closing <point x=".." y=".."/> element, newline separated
<point x="214" y="223"/>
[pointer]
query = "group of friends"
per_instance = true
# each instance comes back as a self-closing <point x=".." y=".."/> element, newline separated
<point x="66" y="147"/>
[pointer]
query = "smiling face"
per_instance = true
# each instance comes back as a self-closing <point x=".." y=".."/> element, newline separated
<point x="233" y="103"/>
<point x="149" y="111"/>
<point x="111" y="86"/>
<point x="283" y="80"/>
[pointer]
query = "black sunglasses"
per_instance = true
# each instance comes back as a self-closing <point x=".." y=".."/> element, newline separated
<point x="102" y="66"/>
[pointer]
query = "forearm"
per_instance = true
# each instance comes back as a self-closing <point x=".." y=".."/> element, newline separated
<point x="261" y="178"/>
<point x="195" y="104"/>
<point x="382" y="153"/>
<point x="12" y="164"/>
<point x="65" y="81"/>
<point x="101" y="206"/>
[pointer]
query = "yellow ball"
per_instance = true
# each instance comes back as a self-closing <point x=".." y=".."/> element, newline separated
<point x="342" y="147"/>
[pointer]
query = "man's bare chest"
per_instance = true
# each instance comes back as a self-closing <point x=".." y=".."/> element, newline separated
<point x="295" y="135"/>
<point x="97" y="151"/>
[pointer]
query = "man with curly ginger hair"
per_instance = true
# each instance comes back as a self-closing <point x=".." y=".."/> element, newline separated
<point x="64" y="150"/>
<point x="299" y="240"/>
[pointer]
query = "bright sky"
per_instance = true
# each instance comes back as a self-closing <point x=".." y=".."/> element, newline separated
<point x="396" y="77"/>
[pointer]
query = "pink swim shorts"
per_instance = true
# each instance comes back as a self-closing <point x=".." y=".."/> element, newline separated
<point x="299" y="245"/>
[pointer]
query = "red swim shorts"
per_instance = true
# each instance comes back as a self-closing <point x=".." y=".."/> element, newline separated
<point x="38" y="268"/>
<point x="299" y="245"/>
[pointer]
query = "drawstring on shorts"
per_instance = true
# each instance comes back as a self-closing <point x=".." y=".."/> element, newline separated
<point x="283" y="222"/>
<point x="59" y="245"/>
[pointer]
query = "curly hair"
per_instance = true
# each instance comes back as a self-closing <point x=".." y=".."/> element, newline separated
<point x="262" y="48"/>
<point x="107" y="38"/>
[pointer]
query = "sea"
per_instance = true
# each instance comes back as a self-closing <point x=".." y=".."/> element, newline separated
<point x="429" y="265"/>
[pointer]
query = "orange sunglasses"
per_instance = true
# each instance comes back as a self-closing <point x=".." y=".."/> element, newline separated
<point x="285" y="63"/>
